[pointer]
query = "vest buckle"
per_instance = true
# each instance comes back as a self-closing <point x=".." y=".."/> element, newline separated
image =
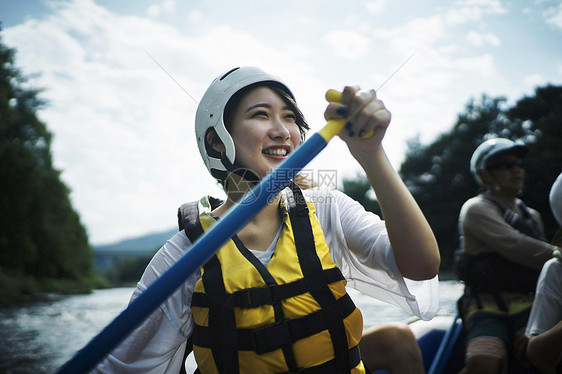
<point x="254" y="297"/>
<point x="271" y="337"/>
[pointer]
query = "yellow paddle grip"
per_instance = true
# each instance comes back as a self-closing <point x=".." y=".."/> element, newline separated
<point x="334" y="96"/>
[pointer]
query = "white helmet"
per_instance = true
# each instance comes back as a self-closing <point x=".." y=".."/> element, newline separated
<point x="556" y="199"/>
<point x="489" y="148"/>
<point x="210" y="114"/>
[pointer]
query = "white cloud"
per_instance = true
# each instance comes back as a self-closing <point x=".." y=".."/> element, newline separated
<point x="374" y="6"/>
<point x="154" y="10"/>
<point x="534" y="80"/>
<point x="349" y="44"/>
<point x="553" y="16"/>
<point x="487" y="6"/>
<point x="417" y="34"/>
<point x="169" y="6"/>
<point x="483" y="65"/>
<point x="463" y="15"/>
<point x="473" y="10"/>
<point x="479" y="39"/>
<point x="194" y="16"/>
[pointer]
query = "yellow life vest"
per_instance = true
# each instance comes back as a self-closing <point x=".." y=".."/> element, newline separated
<point x="292" y="315"/>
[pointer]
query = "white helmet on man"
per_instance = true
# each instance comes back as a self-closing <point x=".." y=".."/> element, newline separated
<point x="489" y="148"/>
<point x="210" y="114"/>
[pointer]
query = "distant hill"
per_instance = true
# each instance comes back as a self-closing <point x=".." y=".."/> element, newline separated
<point x="145" y="243"/>
<point x="142" y="248"/>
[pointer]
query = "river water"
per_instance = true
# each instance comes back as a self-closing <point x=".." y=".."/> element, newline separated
<point x="40" y="337"/>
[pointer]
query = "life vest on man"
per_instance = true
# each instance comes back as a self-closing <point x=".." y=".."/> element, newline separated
<point x="293" y="315"/>
<point x="492" y="273"/>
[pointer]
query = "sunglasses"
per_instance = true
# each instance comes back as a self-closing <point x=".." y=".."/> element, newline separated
<point x="506" y="165"/>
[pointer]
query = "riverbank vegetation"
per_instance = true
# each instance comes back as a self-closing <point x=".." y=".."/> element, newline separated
<point x="127" y="272"/>
<point x="43" y="245"/>
<point x="18" y="288"/>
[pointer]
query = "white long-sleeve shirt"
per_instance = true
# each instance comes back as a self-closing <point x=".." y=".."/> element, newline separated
<point x="547" y="306"/>
<point x="358" y="244"/>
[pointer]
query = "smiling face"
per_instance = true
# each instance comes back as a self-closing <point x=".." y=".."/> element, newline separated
<point x="264" y="130"/>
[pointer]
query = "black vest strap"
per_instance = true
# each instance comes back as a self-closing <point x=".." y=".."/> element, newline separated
<point x="277" y="307"/>
<point x="354" y="355"/>
<point x="257" y="296"/>
<point x="221" y="316"/>
<point x="311" y="268"/>
<point x="271" y="337"/>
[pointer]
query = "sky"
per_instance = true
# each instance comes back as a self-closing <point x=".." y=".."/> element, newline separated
<point x="122" y="79"/>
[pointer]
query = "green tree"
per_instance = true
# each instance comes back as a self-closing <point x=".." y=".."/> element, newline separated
<point x="438" y="173"/>
<point x="41" y="235"/>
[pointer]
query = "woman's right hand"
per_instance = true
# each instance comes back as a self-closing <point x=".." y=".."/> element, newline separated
<point x="367" y="120"/>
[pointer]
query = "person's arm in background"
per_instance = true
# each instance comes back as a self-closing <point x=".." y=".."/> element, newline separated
<point x="546" y="348"/>
<point x="544" y="328"/>
<point x="482" y="220"/>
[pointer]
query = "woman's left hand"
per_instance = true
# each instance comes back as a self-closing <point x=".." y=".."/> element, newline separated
<point x="367" y="119"/>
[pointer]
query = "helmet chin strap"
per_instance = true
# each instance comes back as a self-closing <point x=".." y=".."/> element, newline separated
<point x="240" y="170"/>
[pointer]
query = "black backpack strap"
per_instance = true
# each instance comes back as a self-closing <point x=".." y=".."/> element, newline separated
<point x="188" y="217"/>
<point x="188" y="220"/>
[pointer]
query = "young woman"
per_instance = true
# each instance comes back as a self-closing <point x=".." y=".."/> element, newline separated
<point x="273" y="299"/>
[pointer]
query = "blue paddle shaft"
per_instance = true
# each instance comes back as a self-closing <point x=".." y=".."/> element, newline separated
<point x="445" y="347"/>
<point x="201" y="251"/>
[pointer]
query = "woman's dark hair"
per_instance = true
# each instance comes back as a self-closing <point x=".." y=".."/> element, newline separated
<point x="280" y="91"/>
